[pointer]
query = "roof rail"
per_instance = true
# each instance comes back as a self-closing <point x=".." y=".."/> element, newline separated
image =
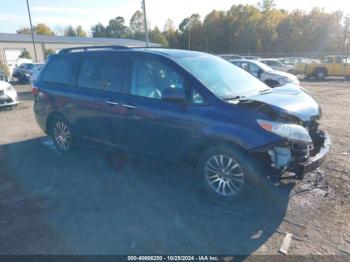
<point x="91" y="48"/>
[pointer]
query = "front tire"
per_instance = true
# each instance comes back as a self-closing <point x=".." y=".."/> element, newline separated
<point x="227" y="173"/>
<point x="62" y="134"/>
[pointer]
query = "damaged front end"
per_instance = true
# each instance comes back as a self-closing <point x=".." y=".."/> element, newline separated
<point x="292" y="115"/>
<point x="300" y="155"/>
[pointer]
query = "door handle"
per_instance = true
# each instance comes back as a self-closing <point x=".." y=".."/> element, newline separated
<point x="129" y="106"/>
<point x="111" y="103"/>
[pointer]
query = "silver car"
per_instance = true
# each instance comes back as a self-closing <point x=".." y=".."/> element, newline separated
<point x="265" y="73"/>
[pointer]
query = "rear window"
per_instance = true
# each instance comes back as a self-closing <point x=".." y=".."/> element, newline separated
<point x="59" y="70"/>
<point x="107" y="73"/>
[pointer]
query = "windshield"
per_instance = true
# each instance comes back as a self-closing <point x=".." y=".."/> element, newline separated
<point x="262" y="66"/>
<point x="222" y="78"/>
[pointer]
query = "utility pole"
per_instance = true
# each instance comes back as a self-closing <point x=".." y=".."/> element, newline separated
<point x="145" y="21"/>
<point x="346" y="44"/>
<point x="31" y="30"/>
<point x="189" y="27"/>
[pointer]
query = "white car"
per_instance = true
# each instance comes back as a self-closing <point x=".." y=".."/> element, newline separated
<point x="8" y="95"/>
<point x="277" y="65"/>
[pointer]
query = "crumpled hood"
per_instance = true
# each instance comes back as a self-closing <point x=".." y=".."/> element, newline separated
<point x="286" y="102"/>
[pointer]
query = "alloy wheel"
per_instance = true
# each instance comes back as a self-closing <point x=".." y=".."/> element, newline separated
<point x="62" y="135"/>
<point x="224" y="175"/>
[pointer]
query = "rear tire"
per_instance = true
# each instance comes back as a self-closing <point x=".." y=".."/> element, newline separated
<point x="227" y="173"/>
<point x="320" y="74"/>
<point x="62" y="134"/>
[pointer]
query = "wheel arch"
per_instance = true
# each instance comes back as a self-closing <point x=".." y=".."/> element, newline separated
<point x="211" y="142"/>
<point x="318" y="68"/>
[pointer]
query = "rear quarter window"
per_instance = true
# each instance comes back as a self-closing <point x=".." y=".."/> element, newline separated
<point x="59" y="70"/>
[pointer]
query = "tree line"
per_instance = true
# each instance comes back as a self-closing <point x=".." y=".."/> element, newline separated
<point x="241" y="29"/>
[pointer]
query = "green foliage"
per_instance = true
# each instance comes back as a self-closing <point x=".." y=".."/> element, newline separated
<point x="24" y="30"/>
<point x="80" y="31"/>
<point x="116" y="28"/>
<point x="170" y="34"/>
<point x="43" y="29"/>
<point x="4" y="68"/>
<point x="48" y="52"/>
<point x="39" y="29"/>
<point x="25" y="54"/>
<point x="242" y="29"/>
<point x="99" y="30"/>
<point x="137" y="23"/>
<point x="157" y="37"/>
<point x="70" y="31"/>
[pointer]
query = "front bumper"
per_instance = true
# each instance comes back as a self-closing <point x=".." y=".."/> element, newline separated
<point x="298" y="158"/>
<point x="6" y="101"/>
<point x="315" y="161"/>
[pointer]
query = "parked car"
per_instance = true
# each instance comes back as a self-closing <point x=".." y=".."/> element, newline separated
<point x="8" y="95"/>
<point x="330" y="66"/>
<point x="3" y="76"/>
<point x="251" y="57"/>
<point x="270" y="77"/>
<point x="230" y="56"/>
<point x="164" y="105"/>
<point x="278" y="66"/>
<point x="35" y="72"/>
<point x="24" y="71"/>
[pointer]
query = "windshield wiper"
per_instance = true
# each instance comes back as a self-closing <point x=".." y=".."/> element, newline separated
<point x="267" y="90"/>
<point x="228" y="98"/>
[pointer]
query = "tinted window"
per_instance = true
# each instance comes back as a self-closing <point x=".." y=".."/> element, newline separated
<point x="254" y="69"/>
<point x="328" y="60"/>
<point x="150" y="78"/>
<point x="59" y="70"/>
<point x="106" y="73"/>
<point x="30" y="66"/>
<point x="272" y="63"/>
<point x="339" y="60"/>
<point x="245" y="66"/>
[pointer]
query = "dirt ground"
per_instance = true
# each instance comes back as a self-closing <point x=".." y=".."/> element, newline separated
<point x="80" y="204"/>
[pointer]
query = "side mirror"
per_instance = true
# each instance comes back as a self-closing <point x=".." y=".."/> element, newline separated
<point x="174" y="95"/>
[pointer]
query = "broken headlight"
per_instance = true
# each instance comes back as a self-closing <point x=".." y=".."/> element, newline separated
<point x="289" y="131"/>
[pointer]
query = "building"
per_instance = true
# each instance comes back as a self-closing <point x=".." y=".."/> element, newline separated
<point x="12" y="45"/>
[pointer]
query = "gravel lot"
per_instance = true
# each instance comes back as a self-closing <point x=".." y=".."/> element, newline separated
<point x="82" y="204"/>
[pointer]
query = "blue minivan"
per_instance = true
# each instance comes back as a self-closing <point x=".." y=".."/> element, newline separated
<point x="182" y="107"/>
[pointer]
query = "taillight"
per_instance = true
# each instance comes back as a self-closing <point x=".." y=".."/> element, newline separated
<point x="35" y="90"/>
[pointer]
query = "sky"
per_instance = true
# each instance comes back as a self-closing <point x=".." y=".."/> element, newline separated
<point x="13" y="14"/>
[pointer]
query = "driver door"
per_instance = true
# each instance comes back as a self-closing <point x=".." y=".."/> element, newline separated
<point x="156" y="129"/>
